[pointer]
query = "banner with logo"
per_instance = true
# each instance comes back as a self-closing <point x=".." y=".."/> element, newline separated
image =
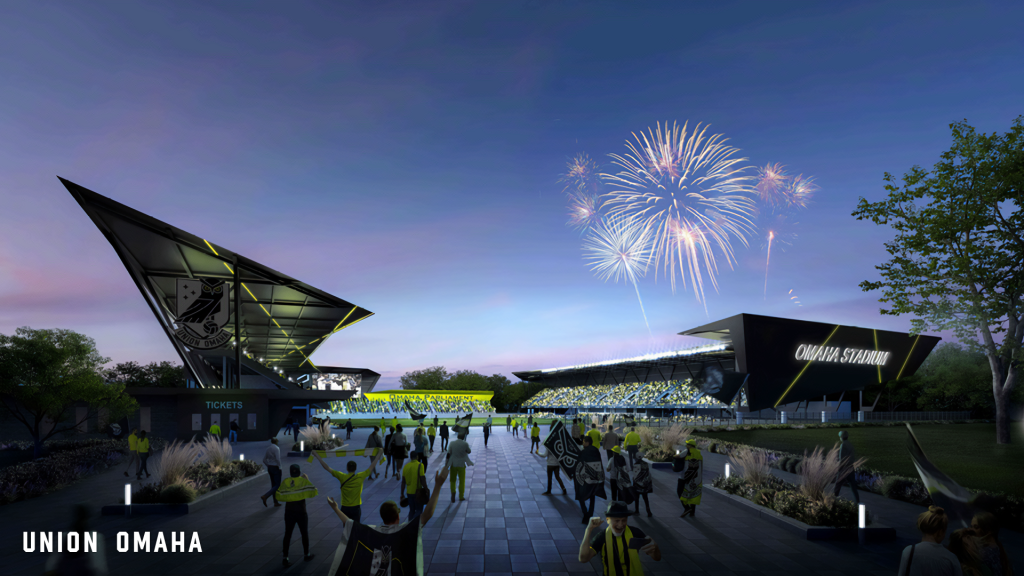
<point x="379" y="551"/>
<point x="560" y="443"/>
<point x="204" y="308"/>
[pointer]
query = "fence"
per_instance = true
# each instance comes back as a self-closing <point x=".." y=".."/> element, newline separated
<point x="803" y="417"/>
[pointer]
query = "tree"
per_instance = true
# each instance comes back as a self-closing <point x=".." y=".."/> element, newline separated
<point x="44" y="374"/>
<point x="432" y="378"/>
<point x="958" y="255"/>
<point x="955" y="378"/>
<point x="165" y="374"/>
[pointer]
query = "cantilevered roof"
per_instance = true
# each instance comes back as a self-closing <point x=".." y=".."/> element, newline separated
<point x="661" y="367"/>
<point x="282" y="320"/>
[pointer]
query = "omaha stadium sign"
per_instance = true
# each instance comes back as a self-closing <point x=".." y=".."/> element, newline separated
<point x="841" y="355"/>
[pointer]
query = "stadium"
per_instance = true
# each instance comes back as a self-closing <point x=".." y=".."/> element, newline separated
<point x="755" y="366"/>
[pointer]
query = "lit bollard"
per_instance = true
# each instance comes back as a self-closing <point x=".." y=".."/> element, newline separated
<point x="860" y="416"/>
<point x="302" y="445"/>
<point x="824" y="417"/>
<point x="862" y="523"/>
<point x="727" y="470"/>
<point x="739" y="417"/>
<point x="784" y="421"/>
<point x="127" y="500"/>
<point x="241" y="457"/>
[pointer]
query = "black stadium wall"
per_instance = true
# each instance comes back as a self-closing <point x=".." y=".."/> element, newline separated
<point x="784" y="361"/>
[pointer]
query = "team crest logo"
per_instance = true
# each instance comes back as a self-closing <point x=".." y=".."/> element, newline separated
<point x="203" y="310"/>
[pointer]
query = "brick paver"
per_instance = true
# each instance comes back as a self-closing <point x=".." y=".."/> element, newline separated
<point x="505" y="526"/>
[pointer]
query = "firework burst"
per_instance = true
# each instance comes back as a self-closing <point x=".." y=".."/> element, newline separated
<point x="691" y="195"/>
<point x="580" y="176"/>
<point x="619" y="248"/>
<point x="583" y="210"/>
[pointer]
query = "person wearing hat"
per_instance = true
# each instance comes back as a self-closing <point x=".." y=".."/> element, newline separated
<point x="612" y="544"/>
<point x="690" y="464"/>
<point x="293" y="492"/>
<point x="845" y="473"/>
<point x="642" y="483"/>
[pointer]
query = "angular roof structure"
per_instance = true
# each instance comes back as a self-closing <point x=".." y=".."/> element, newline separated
<point x="281" y="321"/>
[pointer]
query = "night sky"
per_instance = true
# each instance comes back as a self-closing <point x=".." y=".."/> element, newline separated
<point x="407" y="159"/>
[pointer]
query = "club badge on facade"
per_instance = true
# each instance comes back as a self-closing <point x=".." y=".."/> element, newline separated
<point x="203" y="310"/>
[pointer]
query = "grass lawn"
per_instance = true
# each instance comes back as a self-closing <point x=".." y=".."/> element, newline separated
<point x="968" y="453"/>
<point x="406" y="423"/>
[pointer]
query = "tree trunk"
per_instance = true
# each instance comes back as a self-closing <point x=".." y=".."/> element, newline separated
<point x="1002" y="398"/>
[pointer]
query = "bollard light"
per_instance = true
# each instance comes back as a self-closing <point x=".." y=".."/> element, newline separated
<point x="241" y="457"/>
<point x="726" y="470"/>
<point x="332" y="435"/>
<point x="784" y="417"/>
<point x="302" y="445"/>
<point x="127" y="494"/>
<point x="862" y="516"/>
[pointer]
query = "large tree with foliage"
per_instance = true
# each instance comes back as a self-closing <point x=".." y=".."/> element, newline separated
<point x="432" y="378"/>
<point x="958" y="257"/>
<point x="161" y="375"/>
<point x="44" y="374"/>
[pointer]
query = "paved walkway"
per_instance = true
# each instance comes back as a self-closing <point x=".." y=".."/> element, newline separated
<point x="504" y="527"/>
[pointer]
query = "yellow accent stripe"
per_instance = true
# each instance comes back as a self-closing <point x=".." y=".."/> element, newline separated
<point x="876" y="350"/>
<point x="805" y="368"/>
<point x="908" y="356"/>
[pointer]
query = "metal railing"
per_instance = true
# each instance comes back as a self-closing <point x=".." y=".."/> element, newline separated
<point x="800" y="418"/>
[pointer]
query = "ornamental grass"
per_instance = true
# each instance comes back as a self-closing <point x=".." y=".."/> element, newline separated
<point x="216" y="452"/>
<point x="175" y="462"/>
<point x="818" y="470"/>
<point x="755" y="464"/>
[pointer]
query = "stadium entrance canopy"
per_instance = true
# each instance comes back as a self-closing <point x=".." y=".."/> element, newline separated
<point x="234" y="322"/>
<point x="779" y="361"/>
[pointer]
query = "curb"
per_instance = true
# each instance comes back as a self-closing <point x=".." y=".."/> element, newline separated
<point x="875" y="533"/>
<point x="179" y="509"/>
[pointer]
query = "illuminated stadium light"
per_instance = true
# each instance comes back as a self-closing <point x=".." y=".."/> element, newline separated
<point x="647" y="357"/>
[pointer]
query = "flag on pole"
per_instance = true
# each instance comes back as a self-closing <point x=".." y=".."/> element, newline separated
<point x="560" y="443"/>
<point x="342" y="453"/>
<point x="414" y="414"/>
<point x="462" y="425"/>
<point x="944" y="492"/>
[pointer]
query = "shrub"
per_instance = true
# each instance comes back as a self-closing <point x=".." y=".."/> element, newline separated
<point x="175" y="462"/>
<point x="148" y="494"/>
<point x="228" y="475"/>
<point x="216" y="452"/>
<point x="177" y="494"/>
<point x="754" y="463"/>
<point x="249" y="467"/>
<point x="818" y="470"/>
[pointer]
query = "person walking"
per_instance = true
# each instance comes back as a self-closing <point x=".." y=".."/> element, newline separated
<point x="411" y="473"/>
<point x="431" y="433"/>
<point x="394" y="422"/>
<point x="233" y="431"/>
<point x="589" y="453"/>
<point x="609" y="441"/>
<point x="487" y="429"/>
<point x="374" y="441"/>
<point x="272" y="460"/>
<point x="458" y="459"/>
<point x="618" y="477"/>
<point x="288" y="423"/>
<point x="535" y="438"/>
<point x="845" y="475"/>
<point x="444" y="436"/>
<point x="133" y="452"/>
<point x="508" y="423"/>
<point x="515" y="428"/>
<point x="351" y="484"/>
<point x="613" y="544"/>
<point x="964" y="544"/>
<point x="929" y="557"/>
<point x="553" y="468"/>
<point x="435" y="425"/>
<point x="215" y="430"/>
<point x="530" y="420"/>
<point x="642" y="484"/>
<point x="690" y="465"/>
<point x="143" y="445"/>
<point x="993" y="554"/>
<point x="391" y="515"/>
<point x="294" y="492"/>
<point x="419" y="440"/>
<point x="348" y="429"/>
<point x="295" y="432"/>
<point x="389" y="452"/>
<point x="632" y="442"/>
<point x="382" y="426"/>
<point x="399" y="450"/>
<point x="595" y="435"/>
<point x="574" y="430"/>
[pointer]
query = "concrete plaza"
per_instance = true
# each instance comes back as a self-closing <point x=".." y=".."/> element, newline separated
<point x="505" y="526"/>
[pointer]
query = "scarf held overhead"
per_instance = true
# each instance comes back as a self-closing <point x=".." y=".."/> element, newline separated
<point x="342" y="453"/>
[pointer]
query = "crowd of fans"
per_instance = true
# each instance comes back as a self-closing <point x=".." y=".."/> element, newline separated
<point x="662" y="394"/>
<point x="453" y="404"/>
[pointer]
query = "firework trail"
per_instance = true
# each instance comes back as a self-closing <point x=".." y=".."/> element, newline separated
<point x="620" y="248"/>
<point x="691" y="195"/>
<point x="795" y="299"/>
<point x="779" y="193"/>
<point x="771" y="236"/>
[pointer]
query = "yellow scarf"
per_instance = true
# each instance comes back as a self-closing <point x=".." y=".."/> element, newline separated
<point x="632" y="567"/>
<point x="294" y="489"/>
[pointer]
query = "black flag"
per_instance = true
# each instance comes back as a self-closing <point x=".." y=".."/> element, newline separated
<point x="943" y="490"/>
<point x="462" y="425"/>
<point x="118" y="430"/>
<point x="560" y="443"/>
<point x="367" y="551"/>
<point x="414" y="414"/>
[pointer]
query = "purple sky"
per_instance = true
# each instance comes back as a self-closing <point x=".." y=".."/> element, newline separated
<point x="407" y="160"/>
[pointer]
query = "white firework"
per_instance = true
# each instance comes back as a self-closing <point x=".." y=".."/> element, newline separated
<point x="620" y="248"/>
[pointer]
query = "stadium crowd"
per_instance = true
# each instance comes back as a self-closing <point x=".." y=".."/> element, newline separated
<point x="451" y="404"/>
<point x="661" y="394"/>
